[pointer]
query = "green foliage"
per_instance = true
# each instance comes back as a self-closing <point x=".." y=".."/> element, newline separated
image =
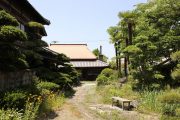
<point x="176" y="75"/>
<point x="177" y="112"/>
<point x="102" y="80"/>
<point x="10" y="114"/>
<point x="149" y="101"/>
<point x="176" y="56"/>
<point x="108" y="91"/>
<point x="106" y="77"/>
<point x="154" y="29"/>
<point x="112" y="63"/>
<point x="35" y="25"/>
<point x="52" y="102"/>
<point x="132" y="50"/>
<point x="7" y="19"/>
<point x="48" y="85"/>
<point x="11" y="56"/>
<point x="169" y="109"/>
<point x="170" y="97"/>
<point x="96" y="52"/>
<point x="11" y="34"/>
<point x="14" y="99"/>
<point x="32" y="107"/>
<point x="107" y="72"/>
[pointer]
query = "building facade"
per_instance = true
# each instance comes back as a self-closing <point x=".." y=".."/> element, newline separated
<point x="82" y="59"/>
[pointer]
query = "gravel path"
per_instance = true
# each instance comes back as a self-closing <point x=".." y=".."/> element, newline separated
<point x="76" y="108"/>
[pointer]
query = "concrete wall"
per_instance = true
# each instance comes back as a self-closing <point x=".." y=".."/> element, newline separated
<point x="15" y="79"/>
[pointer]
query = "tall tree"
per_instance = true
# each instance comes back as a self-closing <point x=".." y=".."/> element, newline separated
<point x="11" y="44"/>
<point x="115" y="38"/>
<point x="151" y="33"/>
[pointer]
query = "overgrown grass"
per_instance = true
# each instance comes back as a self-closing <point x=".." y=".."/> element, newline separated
<point x="52" y="102"/>
<point x="107" y="92"/>
<point x="149" y="101"/>
<point x="166" y="102"/>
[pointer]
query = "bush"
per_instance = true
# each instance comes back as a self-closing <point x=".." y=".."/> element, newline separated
<point x="175" y="56"/>
<point x="32" y="107"/>
<point x="176" y="75"/>
<point x="10" y="114"/>
<point x="102" y="80"/>
<point x="170" y="97"/>
<point x="7" y="19"/>
<point x="14" y="99"/>
<point x="48" y="85"/>
<point x="107" y="72"/>
<point x="169" y="109"/>
<point x="107" y="76"/>
<point x="35" y="25"/>
<point x="170" y="102"/>
<point x="177" y="112"/>
<point x="52" y="102"/>
<point x="12" y="34"/>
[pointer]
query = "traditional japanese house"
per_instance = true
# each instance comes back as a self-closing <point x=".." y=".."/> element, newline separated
<point x="24" y="12"/>
<point x="81" y="58"/>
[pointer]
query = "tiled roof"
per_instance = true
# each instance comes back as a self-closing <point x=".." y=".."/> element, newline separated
<point x="74" y="51"/>
<point x="93" y="63"/>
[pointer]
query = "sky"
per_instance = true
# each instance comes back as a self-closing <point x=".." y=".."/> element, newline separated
<point x="82" y="21"/>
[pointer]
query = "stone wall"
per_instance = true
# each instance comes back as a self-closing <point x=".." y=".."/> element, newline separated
<point x="15" y="79"/>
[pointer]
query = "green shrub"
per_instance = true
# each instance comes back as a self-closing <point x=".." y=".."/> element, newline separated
<point x="12" y="34"/>
<point x="170" y="97"/>
<point x="35" y="25"/>
<point x="7" y="19"/>
<point x="107" y="72"/>
<point x="107" y="76"/>
<point x="10" y="114"/>
<point x="102" y="80"/>
<point x="176" y="75"/>
<point x="169" y="109"/>
<point x="175" y="56"/>
<point x="14" y="99"/>
<point x="48" y="86"/>
<point x="177" y="112"/>
<point x="52" y="102"/>
<point x="170" y="102"/>
<point x="32" y="107"/>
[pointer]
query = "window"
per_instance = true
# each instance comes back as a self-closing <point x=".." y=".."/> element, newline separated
<point x="21" y="27"/>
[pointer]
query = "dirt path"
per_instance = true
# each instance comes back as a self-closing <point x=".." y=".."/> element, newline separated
<point x="76" y="108"/>
<point x="84" y="106"/>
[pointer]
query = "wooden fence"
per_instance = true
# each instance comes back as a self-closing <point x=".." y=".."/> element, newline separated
<point x="15" y="79"/>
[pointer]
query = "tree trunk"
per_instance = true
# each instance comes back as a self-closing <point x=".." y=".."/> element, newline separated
<point x="117" y="63"/>
<point x="125" y="67"/>
<point x="126" y="60"/>
<point x="119" y="59"/>
<point x="130" y="33"/>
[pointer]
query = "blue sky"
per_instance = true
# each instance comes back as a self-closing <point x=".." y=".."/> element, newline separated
<point x="82" y="21"/>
